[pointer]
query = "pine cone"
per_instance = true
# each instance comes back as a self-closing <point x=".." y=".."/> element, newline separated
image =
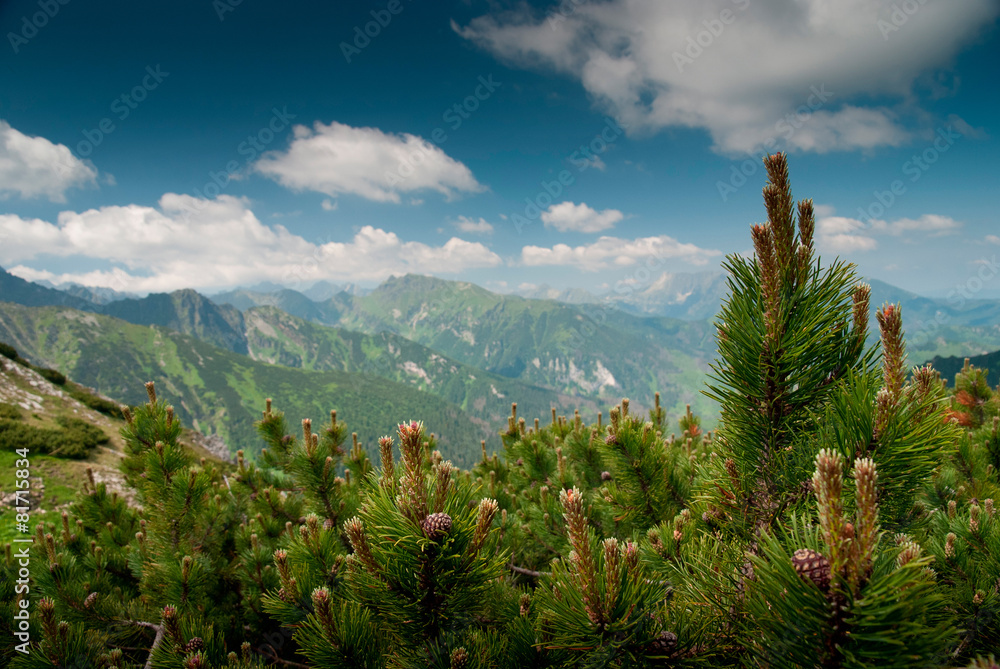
<point x="605" y="476"/>
<point x="437" y="525"/>
<point x="664" y="643"/>
<point x="195" y="643"/>
<point x="813" y="566"/>
<point x="459" y="658"/>
<point x="89" y="601"/>
<point x="328" y="524"/>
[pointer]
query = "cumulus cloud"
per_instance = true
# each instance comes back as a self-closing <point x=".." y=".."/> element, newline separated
<point x="567" y="216"/>
<point x="614" y="252"/>
<point x="746" y="72"/>
<point x="335" y="159"/>
<point x="938" y="225"/>
<point x="838" y="234"/>
<point x="35" y="167"/>
<point x="191" y="242"/>
<point x="480" y="227"/>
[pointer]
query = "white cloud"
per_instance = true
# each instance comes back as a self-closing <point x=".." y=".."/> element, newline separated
<point x="480" y="227"/>
<point x="838" y="234"/>
<point x="614" y="252"/>
<point x="35" y="167"/>
<point x="658" y="64"/>
<point x="993" y="239"/>
<point x="939" y="225"/>
<point x="823" y="210"/>
<point x="567" y="216"/>
<point x="189" y="242"/>
<point x="329" y="205"/>
<point x="337" y="158"/>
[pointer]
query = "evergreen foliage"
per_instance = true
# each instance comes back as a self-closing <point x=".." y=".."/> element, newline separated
<point x="74" y="438"/>
<point x="841" y="516"/>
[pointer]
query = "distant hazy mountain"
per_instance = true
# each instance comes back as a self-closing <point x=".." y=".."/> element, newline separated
<point x="919" y="311"/>
<point x="95" y="294"/>
<point x="696" y="296"/>
<point x="324" y="290"/>
<point x="17" y="290"/>
<point x="289" y="301"/>
<point x="188" y="312"/>
<point x="691" y="296"/>
<point x="567" y="295"/>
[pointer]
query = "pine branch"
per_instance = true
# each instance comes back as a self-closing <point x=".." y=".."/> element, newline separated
<point x="288" y="663"/>
<point x="527" y="572"/>
<point x="156" y="641"/>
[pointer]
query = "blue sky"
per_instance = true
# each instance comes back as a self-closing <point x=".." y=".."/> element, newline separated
<point x="159" y="145"/>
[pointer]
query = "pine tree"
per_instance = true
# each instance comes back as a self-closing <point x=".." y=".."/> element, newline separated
<point x="841" y="516"/>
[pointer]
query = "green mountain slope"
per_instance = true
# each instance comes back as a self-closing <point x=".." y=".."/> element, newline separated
<point x="952" y="365"/>
<point x="276" y="337"/>
<point x="579" y="351"/>
<point x="15" y="289"/>
<point x="576" y="350"/>
<point x="220" y="392"/>
<point x="188" y="312"/>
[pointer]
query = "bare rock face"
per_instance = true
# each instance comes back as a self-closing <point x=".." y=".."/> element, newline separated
<point x="214" y="444"/>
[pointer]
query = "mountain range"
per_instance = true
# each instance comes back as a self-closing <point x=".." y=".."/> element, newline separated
<point x="473" y="350"/>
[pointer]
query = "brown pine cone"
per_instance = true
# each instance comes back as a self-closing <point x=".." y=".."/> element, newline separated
<point x="437" y="525"/>
<point x="459" y="658"/>
<point x="664" y="643"/>
<point x="813" y="566"/>
<point x="195" y="643"/>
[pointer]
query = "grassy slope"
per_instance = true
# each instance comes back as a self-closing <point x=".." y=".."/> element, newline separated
<point x="55" y="481"/>
<point x="217" y="391"/>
